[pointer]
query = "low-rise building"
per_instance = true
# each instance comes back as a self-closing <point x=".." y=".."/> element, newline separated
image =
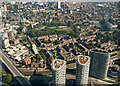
<point x="5" y="43"/>
<point x="27" y="61"/>
<point x="34" y="48"/>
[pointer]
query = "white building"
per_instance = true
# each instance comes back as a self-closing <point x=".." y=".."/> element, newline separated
<point x="34" y="48"/>
<point x="82" y="72"/>
<point x="59" y="4"/>
<point x="5" y="43"/>
<point x="17" y="52"/>
<point x="34" y="24"/>
<point x="13" y="2"/>
<point x="59" y="72"/>
<point x="4" y="35"/>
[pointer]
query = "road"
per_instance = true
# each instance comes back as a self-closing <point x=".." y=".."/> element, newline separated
<point x="16" y="73"/>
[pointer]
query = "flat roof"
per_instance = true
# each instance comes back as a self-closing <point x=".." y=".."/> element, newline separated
<point x="99" y="50"/>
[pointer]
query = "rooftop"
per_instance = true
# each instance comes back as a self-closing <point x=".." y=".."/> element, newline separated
<point x="57" y="64"/>
<point x="99" y="50"/>
<point x="83" y="59"/>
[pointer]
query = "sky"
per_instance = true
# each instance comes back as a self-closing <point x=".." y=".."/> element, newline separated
<point x="69" y="0"/>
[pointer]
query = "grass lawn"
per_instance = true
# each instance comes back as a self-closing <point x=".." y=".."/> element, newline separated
<point x="78" y="23"/>
<point x="67" y="29"/>
<point x="64" y="29"/>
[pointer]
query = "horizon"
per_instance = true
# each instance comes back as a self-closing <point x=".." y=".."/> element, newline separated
<point x="61" y="0"/>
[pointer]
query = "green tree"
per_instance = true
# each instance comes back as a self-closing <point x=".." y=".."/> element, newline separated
<point x="92" y="44"/>
<point x="17" y="37"/>
<point x="44" y="62"/>
<point x="33" y="34"/>
<point x="7" y="79"/>
<point x="97" y="44"/>
<point x="24" y="39"/>
<point x="48" y="61"/>
<point x="37" y="56"/>
<point x="71" y="45"/>
<point x="33" y="59"/>
<point x="57" y="42"/>
<point x="20" y="65"/>
<point x="27" y="66"/>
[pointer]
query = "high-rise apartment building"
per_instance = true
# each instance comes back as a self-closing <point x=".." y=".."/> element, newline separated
<point x="59" y="4"/>
<point x="59" y="72"/>
<point x="5" y="7"/>
<point x="99" y="63"/>
<point x="82" y="72"/>
<point x="0" y="12"/>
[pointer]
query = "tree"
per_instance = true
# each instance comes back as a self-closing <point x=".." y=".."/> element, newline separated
<point x="33" y="60"/>
<point x="32" y="39"/>
<point x="48" y="61"/>
<point x="57" y="42"/>
<point x="33" y="34"/>
<point x="119" y="13"/>
<point x="27" y="66"/>
<point x="111" y="20"/>
<point x="17" y="37"/>
<point x="79" y="41"/>
<point x="97" y="44"/>
<point x="43" y="45"/>
<point x="7" y="79"/>
<point x="72" y="33"/>
<point x="71" y="45"/>
<point x="20" y="65"/>
<point x="92" y="44"/>
<point x="37" y="56"/>
<point x="44" y="62"/>
<point x="24" y="39"/>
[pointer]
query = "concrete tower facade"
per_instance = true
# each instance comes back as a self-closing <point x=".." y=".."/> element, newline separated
<point x="59" y="72"/>
<point x="99" y="64"/>
<point x="59" y="4"/>
<point x="82" y="72"/>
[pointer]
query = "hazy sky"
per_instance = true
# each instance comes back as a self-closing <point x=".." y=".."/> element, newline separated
<point x="69" y="0"/>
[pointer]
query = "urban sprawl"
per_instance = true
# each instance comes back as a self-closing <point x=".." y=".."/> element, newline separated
<point x="60" y="43"/>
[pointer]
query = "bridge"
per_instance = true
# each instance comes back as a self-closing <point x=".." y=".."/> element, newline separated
<point x="16" y="73"/>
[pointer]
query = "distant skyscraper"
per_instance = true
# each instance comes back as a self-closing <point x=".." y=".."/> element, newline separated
<point x="5" y="7"/>
<point x="0" y="12"/>
<point x="82" y="72"/>
<point x="13" y="2"/>
<point x="99" y="64"/>
<point x="59" y="4"/>
<point x="59" y="72"/>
